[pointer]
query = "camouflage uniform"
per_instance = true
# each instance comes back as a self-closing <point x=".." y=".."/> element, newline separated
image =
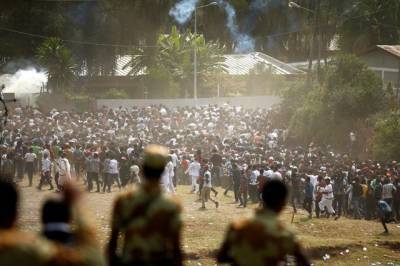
<point x="150" y="223"/>
<point x="17" y="248"/>
<point x="261" y="240"/>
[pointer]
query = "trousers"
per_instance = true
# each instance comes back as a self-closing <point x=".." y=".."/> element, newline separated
<point x="328" y="204"/>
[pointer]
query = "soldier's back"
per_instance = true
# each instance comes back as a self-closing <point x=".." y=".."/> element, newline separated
<point x="261" y="240"/>
<point x="151" y="224"/>
<point x="18" y="248"/>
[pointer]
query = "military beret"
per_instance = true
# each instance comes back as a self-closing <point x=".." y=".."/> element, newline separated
<point x="155" y="156"/>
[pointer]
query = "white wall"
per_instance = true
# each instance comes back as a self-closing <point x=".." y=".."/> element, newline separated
<point x="246" y="102"/>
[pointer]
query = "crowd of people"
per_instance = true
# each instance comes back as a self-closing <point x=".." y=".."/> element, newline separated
<point x="210" y="146"/>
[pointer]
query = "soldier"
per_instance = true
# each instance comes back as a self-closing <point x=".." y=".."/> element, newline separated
<point x="18" y="248"/>
<point x="151" y="223"/>
<point x="263" y="239"/>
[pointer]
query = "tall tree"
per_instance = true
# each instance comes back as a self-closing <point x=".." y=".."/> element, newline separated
<point x="57" y="60"/>
<point x="372" y="22"/>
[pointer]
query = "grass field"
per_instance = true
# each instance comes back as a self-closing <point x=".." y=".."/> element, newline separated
<point x="346" y="241"/>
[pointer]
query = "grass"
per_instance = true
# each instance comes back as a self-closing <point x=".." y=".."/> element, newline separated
<point x="204" y="229"/>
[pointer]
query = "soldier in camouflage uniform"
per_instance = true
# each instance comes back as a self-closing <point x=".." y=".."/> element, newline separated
<point x="148" y="220"/>
<point x="263" y="239"/>
<point x="19" y="248"/>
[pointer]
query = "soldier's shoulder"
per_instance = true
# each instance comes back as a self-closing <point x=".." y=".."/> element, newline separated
<point x="26" y="244"/>
<point x="129" y="195"/>
<point x="173" y="201"/>
<point x="241" y="224"/>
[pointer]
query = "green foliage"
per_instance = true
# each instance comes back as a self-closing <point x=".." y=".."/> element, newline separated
<point x="349" y="93"/>
<point x="375" y="22"/>
<point x="115" y="94"/>
<point x="57" y="60"/>
<point x="172" y="60"/>
<point x="262" y="81"/>
<point x="386" y="142"/>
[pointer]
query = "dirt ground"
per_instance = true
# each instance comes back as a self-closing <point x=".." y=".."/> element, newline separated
<point x="341" y="242"/>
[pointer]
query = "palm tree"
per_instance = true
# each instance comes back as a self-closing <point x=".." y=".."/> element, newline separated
<point x="57" y="59"/>
<point x="176" y="54"/>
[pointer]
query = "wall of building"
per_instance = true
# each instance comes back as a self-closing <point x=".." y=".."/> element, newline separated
<point x="384" y="65"/>
<point x="246" y="102"/>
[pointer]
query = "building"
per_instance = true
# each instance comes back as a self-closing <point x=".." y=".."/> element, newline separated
<point x="384" y="60"/>
<point x="243" y="64"/>
<point x="237" y="67"/>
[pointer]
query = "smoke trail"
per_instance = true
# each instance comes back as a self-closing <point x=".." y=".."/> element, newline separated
<point x="24" y="81"/>
<point x="183" y="10"/>
<point x="244" y="43"/>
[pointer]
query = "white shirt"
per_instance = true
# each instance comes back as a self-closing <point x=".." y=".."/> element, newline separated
<point x="135" y="169"/>
<point x="313" y="179"/>
<point x="207" y="179"/>
<point x="387" y="191"/>
<point x="175" y="160"/>
<point x="327" y="192"/>
<point x="30" y="157"/>
<point x="194" y="169"/>
<point x="169" y="170"/>
<point x="113" y="167"/>
<point x="276" y="176"/>
<point x="129" y="151"/>
<point x="46" y="165"/>
<point x="268" y="174"/>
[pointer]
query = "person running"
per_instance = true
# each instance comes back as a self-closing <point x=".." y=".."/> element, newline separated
<point x="45" y="174"/>
<point x="93" y="171"/>
<point x="327" y="199"/>
<point x="149" y="221"/>
<point x="30" y="159"/>
<point x="262" y="239"/>
<point x="65" y="171"/>
<point x="194" y="173"/>
<point x="308" y="196"/>
<point x="206" y="191"/>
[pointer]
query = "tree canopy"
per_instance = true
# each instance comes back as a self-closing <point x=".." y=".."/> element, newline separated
<point x="96" y="31"/>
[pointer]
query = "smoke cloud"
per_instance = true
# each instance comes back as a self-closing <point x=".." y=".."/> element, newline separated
<point x="244" y="43"/>
<point x="24" y="81"/>
<point x="183" y="10"/>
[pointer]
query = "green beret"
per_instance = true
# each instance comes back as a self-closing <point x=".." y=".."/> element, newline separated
<point x="155" y="156"/>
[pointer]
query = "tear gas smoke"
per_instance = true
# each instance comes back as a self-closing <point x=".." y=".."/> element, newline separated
<point x="244" y="42"/>
<point x="24" y="81"/>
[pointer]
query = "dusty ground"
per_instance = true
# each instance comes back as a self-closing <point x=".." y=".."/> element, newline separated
<point x="345" y="241"/>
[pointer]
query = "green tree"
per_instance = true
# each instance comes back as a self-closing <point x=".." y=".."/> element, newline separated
<point x="386" y="141"/>
<point x="173" y="55"/>
<point x="57" y="60"/>
<point x="372" y="22"/>
<point x="349" y="93"/>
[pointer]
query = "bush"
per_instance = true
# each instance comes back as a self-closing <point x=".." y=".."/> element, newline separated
<point x="348" y="94"/>
<point x="386" y="141"/>
<point x="116" y="94"/>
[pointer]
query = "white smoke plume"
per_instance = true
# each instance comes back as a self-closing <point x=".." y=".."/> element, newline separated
<point x="183" y="10"/>
<point x="244" y="43"/>
<point x="24" y="81"/>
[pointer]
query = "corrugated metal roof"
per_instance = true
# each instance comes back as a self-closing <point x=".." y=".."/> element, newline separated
<point x="120" y="62"/>
<point x="235" y="64"/>
<point x="243" y="64"/>
<point x="393" y="49"/>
